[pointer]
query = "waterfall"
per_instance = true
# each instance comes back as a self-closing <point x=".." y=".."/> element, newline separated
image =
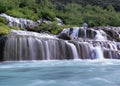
<point x="19" y="22"/>
<point x="73" y="32"/>
<point x="75" y="43"/>
<point x="100" y="36"/>
<point x="25" y="45"/>
<point x="74" y="50"/>
<point x="98" y="52"/>
<point x="27" y="24"/>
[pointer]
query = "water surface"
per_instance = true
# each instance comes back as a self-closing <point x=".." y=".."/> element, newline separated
<point x="60" y="73"/>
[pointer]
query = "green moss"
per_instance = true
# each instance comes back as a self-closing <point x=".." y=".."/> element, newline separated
<point x="3" y="20"/>
<point x="4" y="29"/>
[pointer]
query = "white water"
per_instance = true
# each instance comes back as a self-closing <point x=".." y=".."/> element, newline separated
<point x="100" y="37"/>
<point x="98" y="52"/>
<point x="75" y="32"/>
<point x="74" y="50"/>
<point x="47" y="51"/>
<point x="31" y="34"/>
<point x="26" y="23"/>
<point x="19" y="22"/>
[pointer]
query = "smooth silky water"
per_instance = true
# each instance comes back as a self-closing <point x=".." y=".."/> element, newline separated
<point x="60" y="73"/>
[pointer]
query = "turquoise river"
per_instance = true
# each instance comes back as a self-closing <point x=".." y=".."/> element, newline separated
<point x="60" y="73"/>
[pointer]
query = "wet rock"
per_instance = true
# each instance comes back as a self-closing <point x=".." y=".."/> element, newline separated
<point x="2" y="44"/>
<point x="33" y="28"/>
<point x="112" y="33"/>
<point x="64" y="36"/>
<point x="91" y="34"/>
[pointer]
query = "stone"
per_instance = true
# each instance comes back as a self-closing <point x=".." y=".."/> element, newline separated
<point x="64" y="36"/>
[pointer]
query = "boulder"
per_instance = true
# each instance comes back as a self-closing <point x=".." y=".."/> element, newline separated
<point x="64" y="36"/>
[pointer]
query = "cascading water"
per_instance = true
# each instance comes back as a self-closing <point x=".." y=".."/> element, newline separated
<point x="25" y="45"/>
<point x="97" y="39"/>
<point x="86" y="43"/>
<point x="19" y="22"/>
<point x="34" y="46"/>
<point x="73" y="49"/>
<point x="100" y="36"/>
<point x="26" y="23"/>
<point x="98" y="52"/>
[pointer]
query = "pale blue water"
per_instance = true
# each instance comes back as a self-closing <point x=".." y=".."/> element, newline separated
<point x="60" y="73"/>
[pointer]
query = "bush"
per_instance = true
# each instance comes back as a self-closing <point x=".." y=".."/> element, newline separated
<point x="23" y="13"/>
<point x="48" y="15"/>
<point x="2" y="8"/>
<point x="71" y="13"/>
<point x="15" y="13"/>
<point x="29" y="14"/>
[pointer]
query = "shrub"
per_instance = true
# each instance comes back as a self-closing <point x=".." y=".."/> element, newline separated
<point x="15" y="13"/>
<point x="48" y="15"/>
<point x="2" y="8"/>
<point x="29" y="14"/>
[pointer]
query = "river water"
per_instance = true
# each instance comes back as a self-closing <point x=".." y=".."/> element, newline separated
<point x="60" y="73"/>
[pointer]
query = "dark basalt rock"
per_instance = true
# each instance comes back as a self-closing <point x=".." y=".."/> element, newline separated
<point x="108" y="54"/>
<point x="89" y="33"/>
<point x="2" y="44"/>
<point x="112" y="32"/>
<point x="64" y="36"/>
<point x="33" y="28"/>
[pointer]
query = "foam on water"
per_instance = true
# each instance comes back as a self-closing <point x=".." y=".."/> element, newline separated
<point x="31" y="34"/>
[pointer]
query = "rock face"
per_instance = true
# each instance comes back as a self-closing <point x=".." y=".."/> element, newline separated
<point x="2" y="45"/>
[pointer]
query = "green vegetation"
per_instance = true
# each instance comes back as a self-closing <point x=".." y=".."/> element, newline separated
<point x="4" y="29"/>
<point x="71" y="13"/>
<point x="3" y="20"/>
<point x="101" y="3"/>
